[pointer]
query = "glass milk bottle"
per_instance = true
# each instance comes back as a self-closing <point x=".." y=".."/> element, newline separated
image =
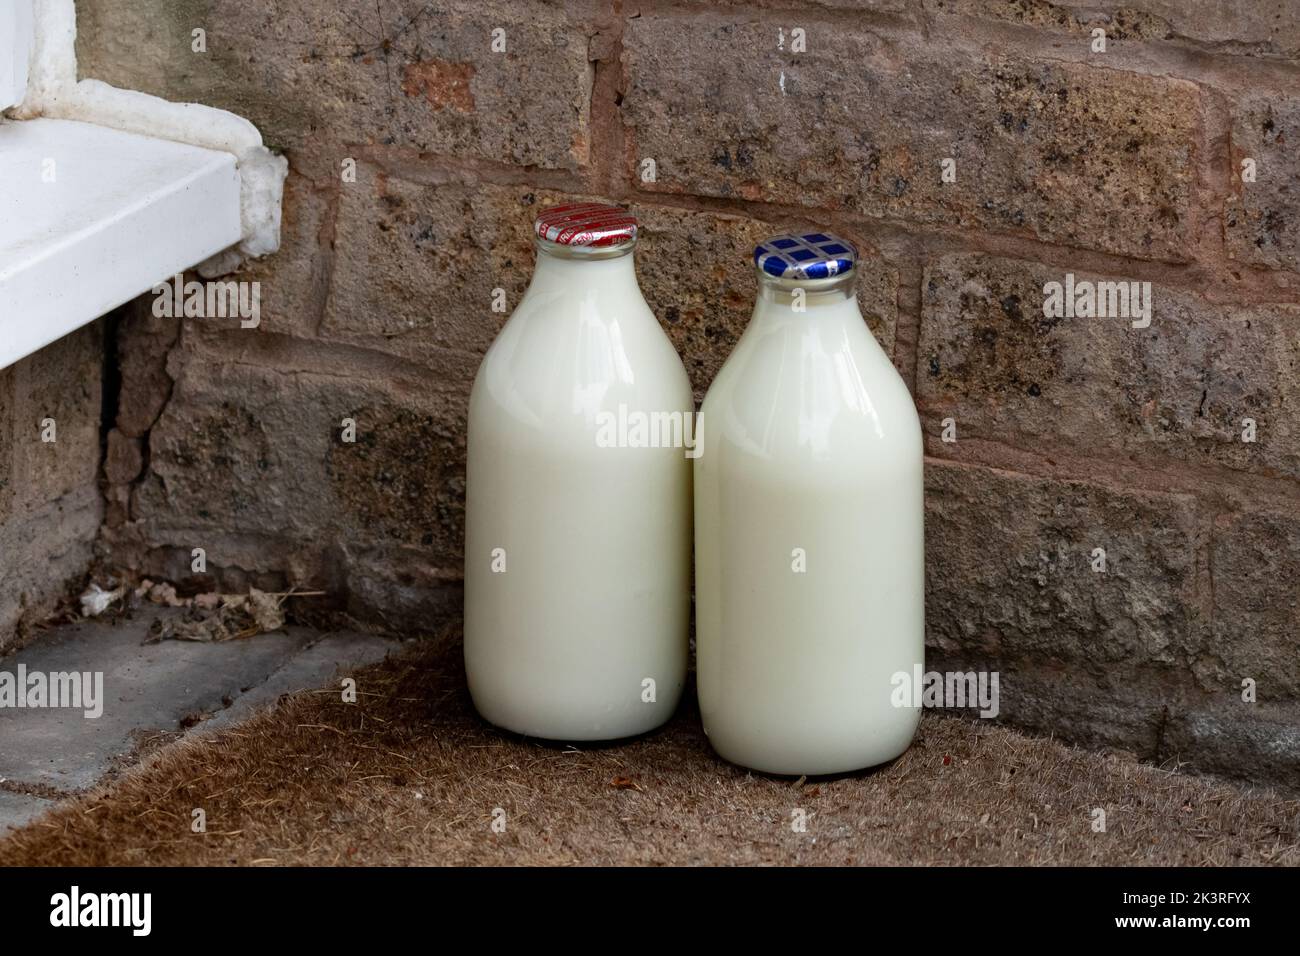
<point x="808" y="528"/>
<point x="578" y="520"/>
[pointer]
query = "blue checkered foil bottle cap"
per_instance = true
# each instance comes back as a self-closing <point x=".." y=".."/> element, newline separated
<point x="809" y="255"/>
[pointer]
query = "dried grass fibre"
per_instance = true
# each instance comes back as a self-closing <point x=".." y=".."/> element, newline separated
<point x="410" y="775"/>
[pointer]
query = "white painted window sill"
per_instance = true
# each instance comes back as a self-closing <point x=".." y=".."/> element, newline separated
<point x="106" y="193"/>
<point x="91" y="217"/>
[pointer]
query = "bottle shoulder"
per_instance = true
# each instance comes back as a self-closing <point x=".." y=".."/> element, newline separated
<point x="819" y="392"/>
<point x="570" y="355"/>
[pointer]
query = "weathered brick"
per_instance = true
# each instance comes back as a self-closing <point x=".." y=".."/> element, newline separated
<point x="248" y="461"/>
<point x="696" y="271"/>
<point x="1256" y="567"/>
<point x="6" y="443"/>
<point x="1162" y="721"/>
<point x="245" y="448"/>
<point x="403" y="480"/>
<point x="416" y="266"/>
<point x="1089" y="709"/>
<point x="1262" y="219"/>
<point x="1065" y="152"/>
<point x="1010" y="574"/>
<point x="239" y="448"/>
<point x="143" y="343"/>
<point x="1259" y="26"/>
<point x="293" y="281"/>
<point x="44" y="555"/>
<point x="61" y="382"/>
<point x="1258" y="741"/>
<point x="49" y="502"/>
<point x="123" y="458"/>
<point x="398" y="586"/>
<point x="989" y="358"/>
<point x="404" y="72"/>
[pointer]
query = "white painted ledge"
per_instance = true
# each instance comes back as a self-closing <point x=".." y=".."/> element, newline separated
<point x="105" y="193"/>
<point x="122" y="213"/>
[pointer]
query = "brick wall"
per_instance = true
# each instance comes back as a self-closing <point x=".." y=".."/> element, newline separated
<point x="50" y="504"/>
<point x="1072" y="434"/>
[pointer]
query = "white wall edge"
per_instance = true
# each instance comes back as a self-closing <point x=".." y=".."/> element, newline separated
<point x="71" y="250"/>
<point x="54" y="92"/>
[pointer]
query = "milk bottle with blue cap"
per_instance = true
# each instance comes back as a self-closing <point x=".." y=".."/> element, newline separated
<point x="809" y="546"/>
<point x="578" y="497"/>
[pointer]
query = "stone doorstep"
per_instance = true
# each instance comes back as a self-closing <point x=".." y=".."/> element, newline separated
<point x="148" y="689"/>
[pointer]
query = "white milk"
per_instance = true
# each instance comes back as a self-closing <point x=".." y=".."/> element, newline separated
<point x="812" y="447"/>
<point x="583" y="635"/>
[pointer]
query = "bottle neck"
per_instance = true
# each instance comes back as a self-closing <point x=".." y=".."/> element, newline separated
<point x="560" y="269"/>
<point x="805" y="298"/>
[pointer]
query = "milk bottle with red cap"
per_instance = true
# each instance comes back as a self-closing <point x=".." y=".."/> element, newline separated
<point x="809" y="549"/>
<point x="578" y="527"/>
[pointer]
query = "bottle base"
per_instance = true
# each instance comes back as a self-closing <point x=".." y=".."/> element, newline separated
<point x="813" y="760"/>
<point x="831" y="768"/>
<point x="578" y="730"/>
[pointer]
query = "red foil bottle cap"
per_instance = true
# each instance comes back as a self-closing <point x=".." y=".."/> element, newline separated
<point x="586" y="224"/>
